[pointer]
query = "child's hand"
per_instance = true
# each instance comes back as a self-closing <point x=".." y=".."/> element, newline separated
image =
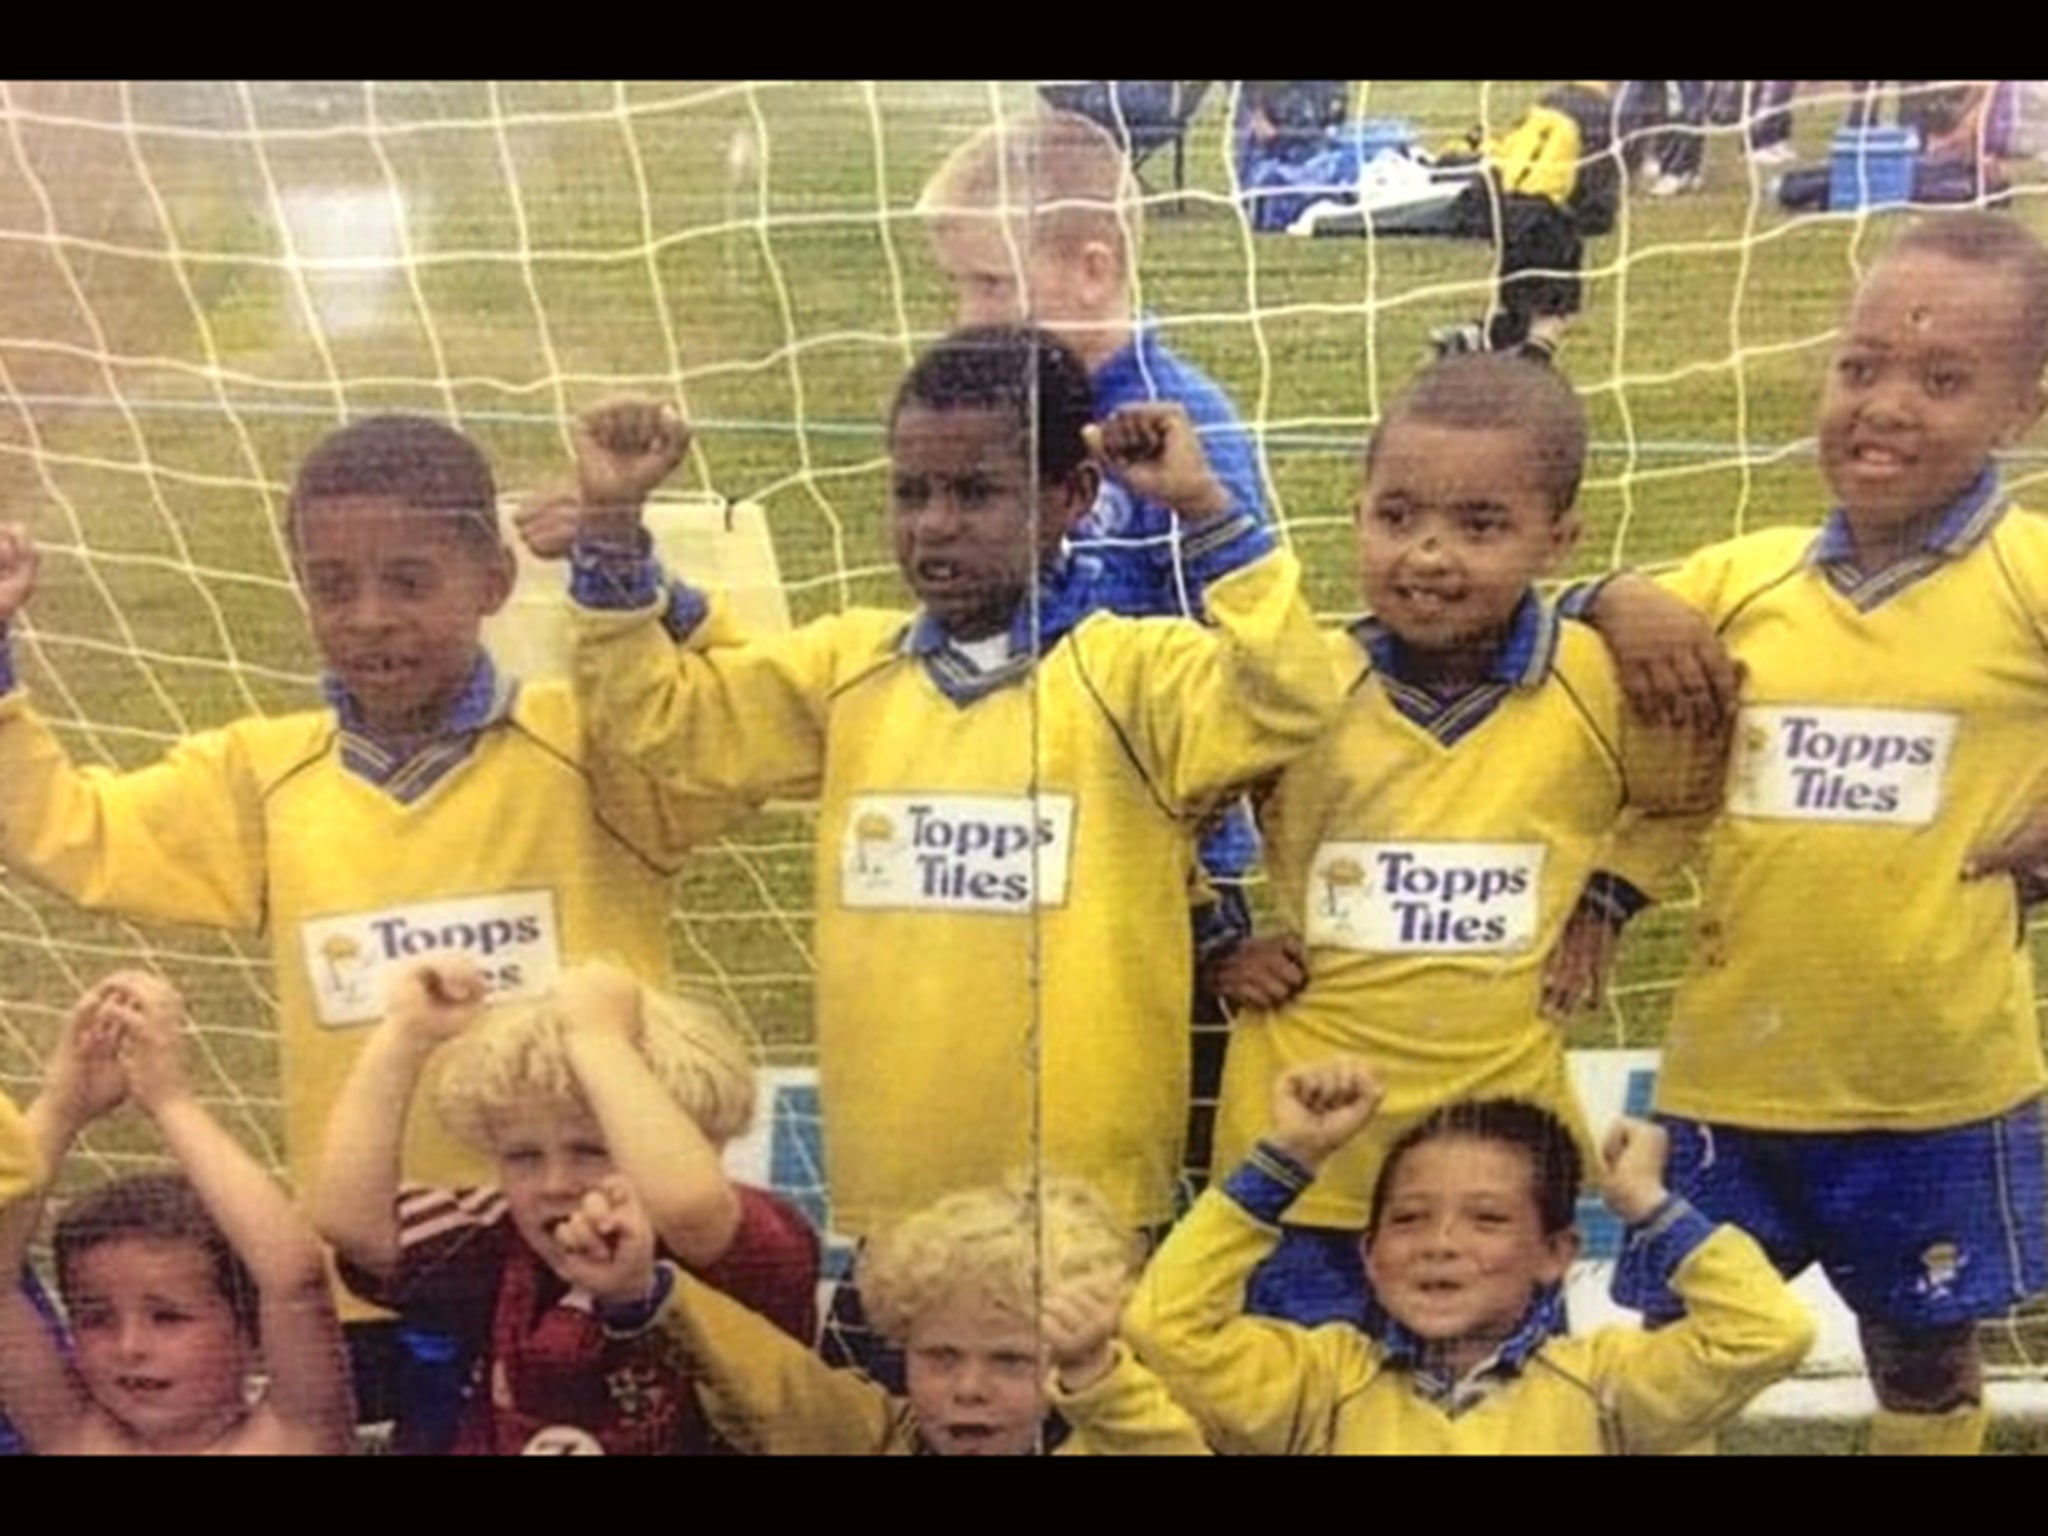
<point x="624" y="449"/>
<point x="18" y="561"/>
<point x="1260" y="973"/>
<point x="1078" y="1322"/>
<point x="1575" y="974"/>
<point x="1633" y="1179"/>
<point x="1317" y="1108"/>
<point x="1153" y="449"/>
<point x="435" y="999"/>
<point x="600" y="998"/>
<point x="2022" y="853"/>
<point x="83" y="1079"/>
<point x="606" y="1245"/>
<point x="1673" y="665"/>
<point x="149" y="1016"/>
<point x="546" y="520"/>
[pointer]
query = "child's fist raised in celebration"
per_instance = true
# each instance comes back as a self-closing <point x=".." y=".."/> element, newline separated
<point x="435" y="999"/>
<point x="148" y="1017"/>
<point x="624" y="449"/>
<point x="1077" y="1321"/>
<point x="1632" y="1177"/>
<point x="1317" y="1108"/>
<point x="1153" y="449"/>
<point x="606" y="1245"/>
<point x="18" y="562"/>
<point x="83" y="1079"/>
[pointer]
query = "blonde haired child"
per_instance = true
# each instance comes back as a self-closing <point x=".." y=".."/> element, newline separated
<point x="604" y="1107"/>
<point x="178" y="1289"/>
<point x="1005" y="1301"/>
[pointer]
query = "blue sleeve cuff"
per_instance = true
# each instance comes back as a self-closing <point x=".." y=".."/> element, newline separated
<point x="1613" y="898"/>
<point x="1219" y="545"/>
<point x="7" y="677"/>
<point x="639" y="1316"/>
<point x="1577" y="600"/>
<point x="612" y="578"/>
<point x="1666" y="1238"/>
<point x="1267" y="1182"/>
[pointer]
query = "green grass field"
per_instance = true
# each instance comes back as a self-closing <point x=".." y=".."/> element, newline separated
<point x="196" y="282"/>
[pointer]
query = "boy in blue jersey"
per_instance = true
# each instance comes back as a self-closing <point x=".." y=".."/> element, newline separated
<point x="1853" y="1069"/>
<point x="1066" y="258"/>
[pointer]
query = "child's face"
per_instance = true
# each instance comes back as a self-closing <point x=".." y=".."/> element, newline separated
<point x="550" y="1154"/>
<point x="1459" y="1250"/>
<point x="976" y="1379"/>
<point x="1453" y="526"/>
<point x="1064" y="291"/>
<point x="396" y="596"/>
<point x="157" y="1343"/>
<point x="1926" y="384"/>
<point x="971" y="522"/>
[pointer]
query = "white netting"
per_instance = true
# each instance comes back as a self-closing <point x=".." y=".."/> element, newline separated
<point x="198" y="281"/>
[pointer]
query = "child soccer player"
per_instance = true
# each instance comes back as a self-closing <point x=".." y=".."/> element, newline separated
<point x="1853" y="1070"/>
<point x="1470" y="1239"/>
<point x="1037" y="219"/>
<point x="603" y="1107"/>
<point x="1422" y="884"/>
<point x="176" y="1286"/>
<point x="435" y="804"/>
<point x="1009" y="789"/>
<point x="1005" y="1303"/>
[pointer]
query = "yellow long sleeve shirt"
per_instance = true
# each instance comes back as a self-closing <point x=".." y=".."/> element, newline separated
<point x="1003" y="956"/>
<point x="20" y="1169"/>
<point x="1258" y="1386"/>
<point x="767" y="1395"/>
<point x="1842" y="974"/>
<point x="530" y="854"/>
<point x="1430" y="884"/>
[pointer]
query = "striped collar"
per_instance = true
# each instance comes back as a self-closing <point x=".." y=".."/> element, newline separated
<point x="1062" y="602"/>
<point x="484" y="700"/>
<point x="1523" y="661"/>
<point x="1960" y="528"/>
<point x="1544" y="1321"/>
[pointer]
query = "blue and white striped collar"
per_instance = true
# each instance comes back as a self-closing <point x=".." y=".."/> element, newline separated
<point x="1961" y="526"/>
<point x="1523" y="661"/>
<point x="485" y="699"/>
<point x="1062" y="602"/>
<point x="1542" y="1322"/>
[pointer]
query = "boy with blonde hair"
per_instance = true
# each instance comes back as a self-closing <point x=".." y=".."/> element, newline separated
<point x="179" y="1289"/>
<point x="1469" y="1242"/>
<point x="1853" y="1068"/>
<point x="604" y="1107"/>
<point x="1004" y="1301"/>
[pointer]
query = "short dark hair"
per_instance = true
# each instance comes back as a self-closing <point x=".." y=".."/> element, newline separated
<point x="1554" y="1167"/>
<point x="1028" y="373"/>
<point x="158" y="1207"/>
<point x="1499" y="392"/>
<point x="1987" y="239"/>
<point x="414" y="460"/>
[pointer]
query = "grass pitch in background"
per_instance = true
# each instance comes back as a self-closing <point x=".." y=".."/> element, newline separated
<point x="198" y="281"/>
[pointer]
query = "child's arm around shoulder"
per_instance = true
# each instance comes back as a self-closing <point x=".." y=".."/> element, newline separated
<point x="309" y="1394"/>
<point x="1256" y="1386"/>
<point x="1743" y="1328"/>
<point x="1213" y="706"/>
<point x="179" y="841"/>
